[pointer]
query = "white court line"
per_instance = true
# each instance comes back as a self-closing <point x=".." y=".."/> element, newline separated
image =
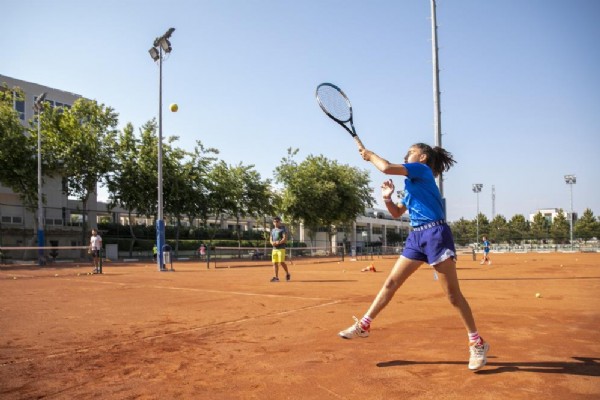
<point x="202" y="290"/>
<point x="328" y="302"/>
<point x="330" y="392"/>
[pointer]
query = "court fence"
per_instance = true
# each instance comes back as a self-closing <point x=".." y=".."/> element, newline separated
<point x="217" y="255"/>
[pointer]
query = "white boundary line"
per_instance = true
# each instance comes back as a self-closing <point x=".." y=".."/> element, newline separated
<point x="328" y="302"/>
<point x="202" y="290"/>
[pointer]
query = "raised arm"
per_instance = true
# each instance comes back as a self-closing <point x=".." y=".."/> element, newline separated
<point x="382" y="164"/>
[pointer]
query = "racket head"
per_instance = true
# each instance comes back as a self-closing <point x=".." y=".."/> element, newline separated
<point x="334" y="102"/>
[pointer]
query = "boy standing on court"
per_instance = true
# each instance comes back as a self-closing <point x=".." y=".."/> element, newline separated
<point x="278" y="241"/>
<point x="95" y="248"/>
<point x="486" y="251"/>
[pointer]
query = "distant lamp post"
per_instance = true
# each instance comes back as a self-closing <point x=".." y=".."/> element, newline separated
<point x="477" y="189"/>
<point x="160" y="46"/>
<point x="571" y="180"/>
<point x="38" y="108"/>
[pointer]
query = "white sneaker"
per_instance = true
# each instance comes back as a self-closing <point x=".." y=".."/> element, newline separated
<point x="354" y="331"/>
<point x="478" y="355"/>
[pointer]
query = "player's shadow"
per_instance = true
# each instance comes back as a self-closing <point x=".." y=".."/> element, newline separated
<point x="584" y="366"/>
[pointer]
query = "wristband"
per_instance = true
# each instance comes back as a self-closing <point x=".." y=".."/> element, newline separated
<point x="388" y="200"/>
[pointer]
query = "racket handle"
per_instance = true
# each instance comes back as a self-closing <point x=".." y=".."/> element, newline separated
<point x="358" y="142"/>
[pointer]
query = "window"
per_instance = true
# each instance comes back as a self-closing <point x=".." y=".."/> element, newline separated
<point x="11" y="220"/>
<point x="20" y="107"/>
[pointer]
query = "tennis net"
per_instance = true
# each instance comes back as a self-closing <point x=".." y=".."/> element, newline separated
<point x="43" y="255"/>
<point x="227" y="256"/>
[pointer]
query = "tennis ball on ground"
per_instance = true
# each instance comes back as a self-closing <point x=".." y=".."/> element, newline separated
<point x="538" y="295"/>
<point x="174" y="107"/>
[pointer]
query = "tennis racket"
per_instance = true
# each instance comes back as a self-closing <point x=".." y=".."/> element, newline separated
<point x="334" y="102"/>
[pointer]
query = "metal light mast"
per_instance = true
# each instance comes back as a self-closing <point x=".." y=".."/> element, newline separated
<point x="437" y="120"/>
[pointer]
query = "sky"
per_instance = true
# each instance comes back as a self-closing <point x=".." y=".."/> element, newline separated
<point x="519" y="83"/>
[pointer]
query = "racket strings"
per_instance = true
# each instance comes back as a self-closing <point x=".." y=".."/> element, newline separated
<point x="334" y="103"/>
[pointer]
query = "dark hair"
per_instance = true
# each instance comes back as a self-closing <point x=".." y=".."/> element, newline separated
<point x="438" y="159"/>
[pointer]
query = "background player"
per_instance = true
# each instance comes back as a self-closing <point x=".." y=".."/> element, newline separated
<point x="486" y="251"/>
<point x="278" y="241"/>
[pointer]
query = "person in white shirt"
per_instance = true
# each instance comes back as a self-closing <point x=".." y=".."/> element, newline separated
<point x="95" y="249"/>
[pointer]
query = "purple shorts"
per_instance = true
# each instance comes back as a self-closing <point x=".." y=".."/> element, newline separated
<point x="432" y="245"/>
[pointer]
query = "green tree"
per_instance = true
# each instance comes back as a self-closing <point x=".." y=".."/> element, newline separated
<point x="221" y="187"/>
<point x="80" y="142"/>
<point x="463" y="231"/>
<point x="484" y="227"/>
<point x="559" y="230"/>
<point x="123" y="181"/>
<point x="322" y="193"/>
<point x="540" y="227"/>
<point x="148" y="170"/>
<point x="499" y="230"/>
<point x="239" y="191"/>
<point x="197" y="171"/>
<point x="519" y="228"/>
<point x="587" y="226"/>
<point x="18" y="152"/>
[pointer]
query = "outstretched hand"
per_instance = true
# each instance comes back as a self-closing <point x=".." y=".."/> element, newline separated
<point x="387" y="188"/>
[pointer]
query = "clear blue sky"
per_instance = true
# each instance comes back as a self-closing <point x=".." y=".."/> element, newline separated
<point x="519" y="81"/>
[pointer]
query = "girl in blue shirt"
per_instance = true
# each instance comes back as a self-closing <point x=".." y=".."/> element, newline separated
<point x="430" y="240"/>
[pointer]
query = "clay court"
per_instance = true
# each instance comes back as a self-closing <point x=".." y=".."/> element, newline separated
<point x="228" y="333"/>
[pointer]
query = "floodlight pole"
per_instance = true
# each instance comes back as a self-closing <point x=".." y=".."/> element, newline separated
<point x="160" y="44"/>
<point x="476" y="189"/>
<point x="38" y="107"/>
<point x="437" y="120"/>
<point x="571" y="180"/>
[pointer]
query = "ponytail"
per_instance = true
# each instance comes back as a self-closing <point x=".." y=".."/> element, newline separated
<point x="438" y="159"/>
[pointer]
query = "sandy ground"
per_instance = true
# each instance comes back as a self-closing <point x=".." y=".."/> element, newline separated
<point x="228" y="333"/>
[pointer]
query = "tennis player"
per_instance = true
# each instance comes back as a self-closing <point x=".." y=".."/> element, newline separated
<point x="430" y="240"/>
<point x="486" y="251"/>
<point x="278" y="241"/>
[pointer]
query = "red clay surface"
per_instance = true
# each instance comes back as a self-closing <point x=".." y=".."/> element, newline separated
<point x="228" y="333"/>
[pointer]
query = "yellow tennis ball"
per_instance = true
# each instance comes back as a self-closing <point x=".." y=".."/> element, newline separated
<point x="538" y="295"/>
<point x="174" y="107"/>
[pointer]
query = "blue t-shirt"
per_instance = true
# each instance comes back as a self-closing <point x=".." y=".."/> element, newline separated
<point x="422" y="197"/>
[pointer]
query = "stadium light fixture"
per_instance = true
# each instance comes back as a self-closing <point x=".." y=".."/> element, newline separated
<point x="154" y="53"/>
<point x="477" y="189"/>
<point x="38" y="108"/>
<point x="571" y="180"/>
<point x="161" y="45"/>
